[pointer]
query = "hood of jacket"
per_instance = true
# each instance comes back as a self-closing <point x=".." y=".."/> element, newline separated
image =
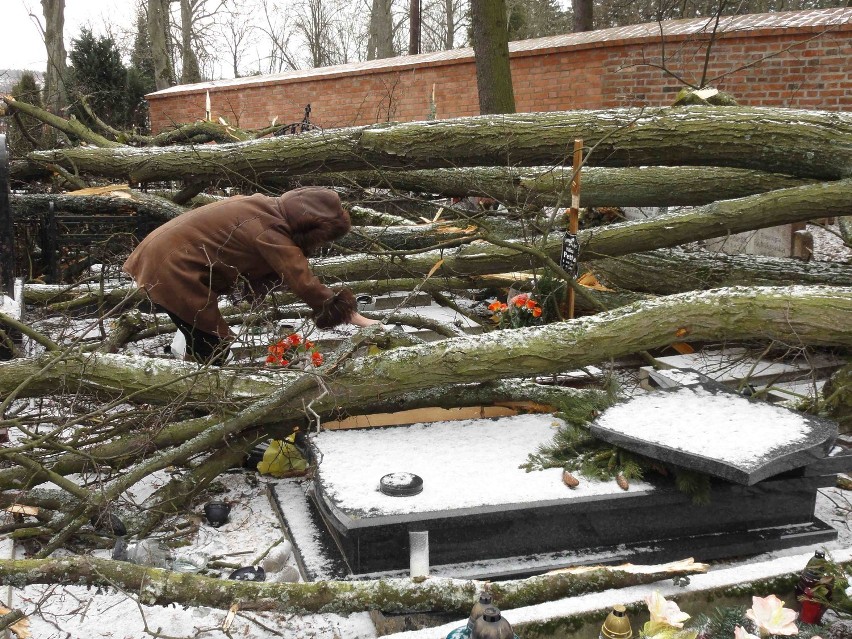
<point x="313" y="216"/>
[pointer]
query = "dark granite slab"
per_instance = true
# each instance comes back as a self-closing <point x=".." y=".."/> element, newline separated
<point x="618" y="425"/>
<point x="475" y="534"/>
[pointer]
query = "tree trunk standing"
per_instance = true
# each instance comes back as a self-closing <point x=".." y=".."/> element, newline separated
<point x="450" y="35"/>
<point x="55" y="89"/>
<point x="380" y="43"/>
<point x="158" y="33"/>
<point x="491" y="51"/>
<point x="414" y="30"/>
<point x="190" y="72"/>
<point x="583" y="15"/>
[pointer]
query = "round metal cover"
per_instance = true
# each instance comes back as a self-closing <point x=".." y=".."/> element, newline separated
<point x="401" y="484"/>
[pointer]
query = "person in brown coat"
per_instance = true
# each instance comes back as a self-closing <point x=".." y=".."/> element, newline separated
<point x="187" y="263"/>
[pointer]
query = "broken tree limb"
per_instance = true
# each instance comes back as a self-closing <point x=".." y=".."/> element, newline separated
<point x="551" y="186"/>
<point x="155" y="586"/>
<point x="718" y="219"/>
<point x="668" y="271"/>
<point x="809" y="144"/>
<point x="119" y="201"/>
<point x="72" y="128"/>
<point x="125" y="450"/>
<point x="806" y="315"/>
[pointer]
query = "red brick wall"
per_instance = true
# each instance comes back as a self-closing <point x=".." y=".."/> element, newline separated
<point x="809" y="65"/>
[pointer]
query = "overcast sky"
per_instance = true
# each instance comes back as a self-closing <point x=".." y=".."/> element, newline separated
<point x="21" y="44"/>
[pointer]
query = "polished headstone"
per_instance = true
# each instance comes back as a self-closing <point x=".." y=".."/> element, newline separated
<point x="704" y="426"/>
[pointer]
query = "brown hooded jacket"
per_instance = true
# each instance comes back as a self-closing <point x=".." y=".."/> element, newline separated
<point x="187" y="263"/>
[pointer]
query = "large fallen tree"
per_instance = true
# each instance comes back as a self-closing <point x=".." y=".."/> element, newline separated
<point x="806" y="144"/>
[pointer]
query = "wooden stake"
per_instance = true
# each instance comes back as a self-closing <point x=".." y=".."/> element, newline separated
<point x="574" y="211"/>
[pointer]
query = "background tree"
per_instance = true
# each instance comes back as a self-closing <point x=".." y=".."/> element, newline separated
<point x="535" y="19"/>
<point x="584" y="14"/>
<point x="380" y="39"/>
<point x="140" y="76"/>
<point x="491" y="49"/>
<point x="98" y="75"/>
<point x="190" y="72"/>
<point x="25" y="131"/>
<point x="160" y="40"/>
<point x="55" y="93"/>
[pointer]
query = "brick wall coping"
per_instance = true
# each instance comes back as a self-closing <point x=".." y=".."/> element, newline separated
<point x="761" y="23"/>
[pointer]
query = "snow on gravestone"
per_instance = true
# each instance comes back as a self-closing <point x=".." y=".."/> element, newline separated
<point x="704" y="426"/>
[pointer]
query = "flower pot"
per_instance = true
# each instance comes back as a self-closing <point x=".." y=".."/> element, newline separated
<point x="216" y="513"/>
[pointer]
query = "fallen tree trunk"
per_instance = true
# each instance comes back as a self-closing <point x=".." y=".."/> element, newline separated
<point x="669" y="271"/>
<point x="713" y="220"/>
<point x="127" y="449"/>
<point x="155" y="586"/>
<point x="551" y="186"/>
<point x="806" y="315"/>
<point x="809" y="144"/>
<point x="120" y="201"/>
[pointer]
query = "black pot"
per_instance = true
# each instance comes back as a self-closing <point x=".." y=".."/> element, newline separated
<point x="111" y="523"/>
<point x="248" y="573"/>
<point x="216" y="513"/>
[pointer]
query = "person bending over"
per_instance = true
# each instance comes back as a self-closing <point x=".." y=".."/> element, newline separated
<point x="186" y="264"/>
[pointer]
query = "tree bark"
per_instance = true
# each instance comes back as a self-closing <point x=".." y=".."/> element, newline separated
<point x="814" y="315"/>
<point x="666" y="272"/>
<point x="490" y="38"/>
<point x="657" y="186"/>
<point x="158" y="33"/>
<point x="190" y="72"/>
<point x="812" y="144"/>
<point x="583" y="15"/>
<point x="155" y="586"/>
<point x="120" y="201"/>
<point x="126" y="450"/>
<point x="55" y="89"/>
<point x="380" y="42"/>
<point x="714" y="220"/>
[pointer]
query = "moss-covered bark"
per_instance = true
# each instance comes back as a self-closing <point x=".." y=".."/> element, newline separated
<point x="811" y="144"/>
<point x="156" y="586"/>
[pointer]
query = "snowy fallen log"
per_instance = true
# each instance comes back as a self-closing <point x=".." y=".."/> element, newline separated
<point x="812" y="144"/>
<point x="801" y="315"/>
<point x="669" y="271"/>
<point x="551" y="186"/>
<point x="398" y="595"/>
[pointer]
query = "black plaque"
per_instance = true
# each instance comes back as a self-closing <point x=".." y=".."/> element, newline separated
<point x="570" y="252"/>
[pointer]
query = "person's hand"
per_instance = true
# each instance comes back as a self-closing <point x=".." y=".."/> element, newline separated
<point x="359" y="320"/>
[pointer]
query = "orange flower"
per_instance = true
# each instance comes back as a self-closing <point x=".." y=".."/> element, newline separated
<point x="316" y="358"/>
<point x="271" y="359"/>
<point x="309" y="345"/>
<point x="494" y="306"/>
<point x="531" y="304"/>
<point x="504" y="307"/>
<point x="294" y="339"/>
<point x="536" y="312"/>
<point x="519" y="300"/>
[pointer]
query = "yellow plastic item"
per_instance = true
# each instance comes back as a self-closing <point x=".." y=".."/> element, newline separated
<point x="282" y="459"/>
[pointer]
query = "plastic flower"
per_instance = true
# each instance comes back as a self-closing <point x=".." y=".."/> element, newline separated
<point x="771" y="617"/>
<point x="742" y="633"/>
<point x="663" y="611"/>
<point x="519" y="300"/>
<point x="316" y="358"/>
